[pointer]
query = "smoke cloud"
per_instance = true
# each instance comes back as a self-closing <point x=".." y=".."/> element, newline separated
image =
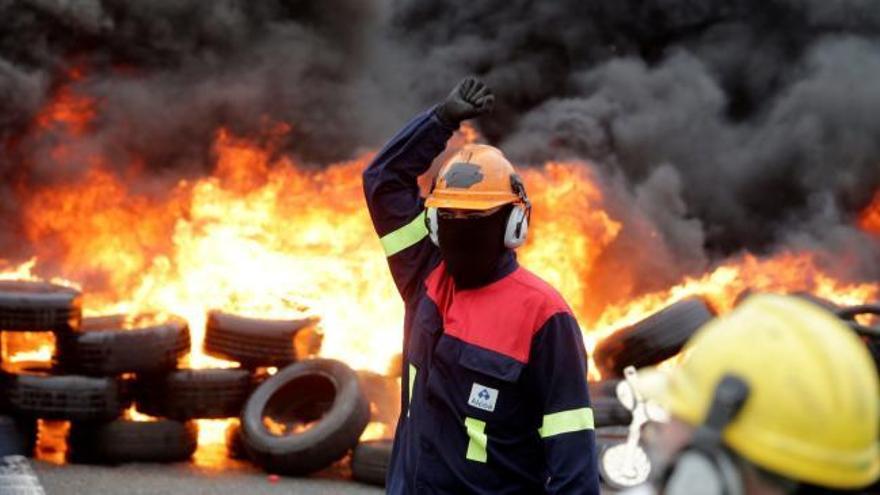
<point x="718" y="126"/>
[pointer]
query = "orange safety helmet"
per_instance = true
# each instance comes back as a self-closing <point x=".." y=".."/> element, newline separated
<point x="479" y="177"/>
<point x="476" y="177"/>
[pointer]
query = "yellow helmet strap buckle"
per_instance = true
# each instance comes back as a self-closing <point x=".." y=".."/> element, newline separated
<point x="705" y="465"/>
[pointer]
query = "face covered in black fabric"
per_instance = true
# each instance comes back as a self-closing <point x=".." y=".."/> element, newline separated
<point x="472" y="247"/>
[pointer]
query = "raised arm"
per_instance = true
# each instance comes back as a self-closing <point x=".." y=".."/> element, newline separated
<point x="391" y="187"/>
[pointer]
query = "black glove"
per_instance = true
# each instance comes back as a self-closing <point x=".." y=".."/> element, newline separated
<point x="470" y="98"/>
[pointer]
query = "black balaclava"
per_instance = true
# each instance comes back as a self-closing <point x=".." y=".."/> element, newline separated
<point x="472" y="248"/>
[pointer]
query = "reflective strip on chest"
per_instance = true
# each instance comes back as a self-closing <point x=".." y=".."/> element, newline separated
<point x="476" y="431"/>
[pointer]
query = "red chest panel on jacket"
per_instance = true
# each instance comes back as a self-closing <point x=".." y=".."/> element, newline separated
<point x="502" y="316"/>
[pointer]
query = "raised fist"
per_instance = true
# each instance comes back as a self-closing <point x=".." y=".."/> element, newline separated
<point x="470" y="98"/>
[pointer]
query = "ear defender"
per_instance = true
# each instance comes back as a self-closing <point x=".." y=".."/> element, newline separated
<point x="705" y="463"/>
<point x="517" y="227"/>
<point x="518" y="224"/>
<point x="432" y="225"/>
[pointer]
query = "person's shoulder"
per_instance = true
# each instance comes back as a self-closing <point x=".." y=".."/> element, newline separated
<point x="533" y="299"/>
<point x="538" y="290"/>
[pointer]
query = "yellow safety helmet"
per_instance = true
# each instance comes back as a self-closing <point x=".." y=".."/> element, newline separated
<point x="813" y="407"/>
<point x="476" y="177"/>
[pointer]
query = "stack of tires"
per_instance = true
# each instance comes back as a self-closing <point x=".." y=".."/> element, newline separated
<point x="298" y="420"/>
<point x="30" y="390"/>
<point x="106" y="350"/>
<point x="302" y="418"/>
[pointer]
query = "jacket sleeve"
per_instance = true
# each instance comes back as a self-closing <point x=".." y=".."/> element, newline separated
<point x="396" y="208"/>
<point x="559" y="378"/>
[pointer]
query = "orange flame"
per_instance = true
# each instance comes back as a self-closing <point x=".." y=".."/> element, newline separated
<point x="265" y="236"/>
<point x="869" y="220"/>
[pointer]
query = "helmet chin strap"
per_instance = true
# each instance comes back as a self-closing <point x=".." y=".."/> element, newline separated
<point x="705" y="466"/>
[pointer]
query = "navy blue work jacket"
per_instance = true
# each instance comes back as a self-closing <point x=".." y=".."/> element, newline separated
<point x="495" y="396"/>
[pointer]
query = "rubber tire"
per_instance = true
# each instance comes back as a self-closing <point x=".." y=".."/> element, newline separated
<point x="652" y="340"/>
<point x="39" y="306"/>
<point x="369" y="463"/>
<point x="194" y="394"/>
<point x="328" y="440"/>
<point x="819" y="301"/>
<point x="234" y="444"/>
<point x="608" y="411"/>
<point x="869" y="335"/>
<point x="611" y="435"/>
<point x="849" y="316"/>
<point x="18" y="436"/>
<point x="132" y="441"/>
<point x="116" y="350"/>
<point x="603" y="388"/>
<point x="33" y="391"/>
<point x="253" y="342"/>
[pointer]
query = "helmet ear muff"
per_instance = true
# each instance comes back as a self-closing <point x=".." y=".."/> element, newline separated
<point x="705" y="465"/>
<point x="432" y="225"/>
<point x="517" y="227"/>
<point x="712" y="473"/>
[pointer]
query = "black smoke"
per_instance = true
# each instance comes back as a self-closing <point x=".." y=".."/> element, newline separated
<point x="731" y="125"/>
<point x="717" y="126"/>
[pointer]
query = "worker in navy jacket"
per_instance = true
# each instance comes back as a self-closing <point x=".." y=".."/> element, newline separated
<point x="495" y="396"/>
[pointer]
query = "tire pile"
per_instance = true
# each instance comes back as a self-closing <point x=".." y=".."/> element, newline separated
<point x="303" y="418"/>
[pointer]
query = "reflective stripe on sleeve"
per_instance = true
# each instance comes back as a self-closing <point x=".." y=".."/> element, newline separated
<point x="566" y="422"/>
<point x="412" y="381"/>
<point x="405" y="236"/>
<point x="476" y="430"/>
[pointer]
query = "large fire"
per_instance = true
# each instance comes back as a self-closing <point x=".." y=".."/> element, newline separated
<point x="263" y="235"/>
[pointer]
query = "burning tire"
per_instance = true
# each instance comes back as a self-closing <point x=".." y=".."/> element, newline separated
<point x="32" y="391"/>
<point x="305" y="417"/>
<point x="255" y="342"/>
<point x="106" y="347"/>
<point x="609" y="411"/>
<point x="870" y="335"/>
<point x="132" y="441"/>
<point x="18" y="436"/>
<point x="652" y="340"/>
<point x="192" y="394"/>
<point x="849" y="315"/>
<point x="39" y="306"/>
<point x="369" y="463"/>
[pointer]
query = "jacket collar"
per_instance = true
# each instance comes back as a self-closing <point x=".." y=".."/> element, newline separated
<point x="507" y="264"/>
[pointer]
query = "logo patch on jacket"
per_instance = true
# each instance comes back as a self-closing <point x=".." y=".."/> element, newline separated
<point x="483" y="397"/>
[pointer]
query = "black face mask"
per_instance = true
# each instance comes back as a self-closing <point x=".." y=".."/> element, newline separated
<point x="472" y="247"/>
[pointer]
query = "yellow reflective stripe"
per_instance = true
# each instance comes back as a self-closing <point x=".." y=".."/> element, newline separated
<point x="477" y="445"/>
<point x="405" y="236"/>
<point x="412" y="381"/>
<point x="566" y="422"/>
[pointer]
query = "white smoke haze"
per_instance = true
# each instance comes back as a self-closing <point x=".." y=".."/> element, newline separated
<point x="717" y="126"/>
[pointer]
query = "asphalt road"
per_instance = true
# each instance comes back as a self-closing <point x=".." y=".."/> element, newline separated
<point x="186" y="479"/>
